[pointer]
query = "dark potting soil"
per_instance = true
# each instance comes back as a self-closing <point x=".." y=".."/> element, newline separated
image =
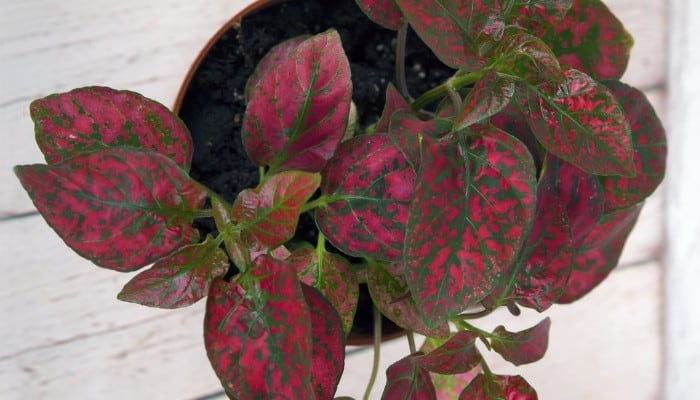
<point x="214" y="105"/>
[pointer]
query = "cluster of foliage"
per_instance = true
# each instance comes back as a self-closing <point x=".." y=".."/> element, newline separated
<point x="513" y="184"/>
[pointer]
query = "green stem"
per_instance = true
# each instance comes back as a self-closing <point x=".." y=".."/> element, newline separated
<point x="411" y="342"/>
<point x="320" y="202"/>
<point x="455" y="83"/>
<point x="400" y="66"/>
<point x="377" y="347"/>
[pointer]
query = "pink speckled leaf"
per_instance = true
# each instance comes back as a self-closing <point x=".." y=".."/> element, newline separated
<point x="591" y="39"/>
<point x="489" y="96"/>
<point x="649" y="141"/>
<point x="407" y="380"/>
<point x="269" y="214"/>
<point x="383" y="12"/>
<point x="120" y="208"/>
<point x="581" y="122"/>
<point x="406" y="128"/>
<point x="529" y="58"/>
<point x="180" y="279"/>
<point x="93" y="118"/>
<point x="298" y="112"/>
<point x="599" y="252"/>
<point x="453" y="30"/>
<point x="485" y="204"/>
<point x="270" y="61"/>
<point x="457" y="355"/>
<point x="257" y="332"/>
<point x="498" y="387"/>
<point x="535" y="16"/>
<point x="387" y="286"/>
<point x="328" y="344"/>
<point x="333" y="277"/>
<point x="394" y="102"/>
<point x="522" y="347"/>
<point x="374" y="184"/>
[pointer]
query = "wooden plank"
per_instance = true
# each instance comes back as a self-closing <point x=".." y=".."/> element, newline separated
<point x="683" y="222"/>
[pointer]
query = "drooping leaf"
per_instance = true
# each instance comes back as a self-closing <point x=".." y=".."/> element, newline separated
<point x="257" y="332"/>
<point x="406" y="128"/>
<point x="407" y="380"/>
<point x="270" y="61"/>
<point x="649" y="141"/>
<point x="383" y="12"/>
<point x="374" y="184"/>
<point x="591" y="39"/>
<point x="93" y="118"/>
<point x="333" y="276"/>
<point x="394" y="102"/>
<point x="328" y="344"/>
<point x="527" y="57"/>
<point x="449" y="387"/>
<point x="462" y="26"/>
<point x="498" y="387"/>
<point x="120" y="208"/>
<point x="599" y="252"/>
<point x="547" y="258"/>
<point x="484" y="205"/>
<point x="269" y="214"/>
<point x="298" y="113"/>
<point x="581" y="122"/>
<point x="490" y="95"/>
<point x="535" y="16"/>
<point x="522" y="347"/>
<point x="387" y="286"/>
<point x="457" y="355"/>
<point x="180" y="279"/>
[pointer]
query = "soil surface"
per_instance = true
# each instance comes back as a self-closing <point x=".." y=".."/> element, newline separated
<point x="214" y="105"/>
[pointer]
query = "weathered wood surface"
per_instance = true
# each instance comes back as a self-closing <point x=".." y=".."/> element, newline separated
<point x="63" y="333"/>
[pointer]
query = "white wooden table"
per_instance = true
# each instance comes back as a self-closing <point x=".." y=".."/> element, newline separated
<point x="63" y="334"/>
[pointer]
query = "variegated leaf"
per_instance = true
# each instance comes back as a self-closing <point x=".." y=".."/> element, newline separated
<point x="394" y="103"/>
<point x="373" y="183"/>
<point x="492" y="387"/>
<point x="93" y="118"/>
<point x="270" y="61"/>
<point x="535" y="16"/>
<point x="406" y="128"/>
<point x="298" y="113"/>
<point x="120" y="208"/>
<point x="407" y="380"/>
<point x="180" y="279"/>
<point x="457" y="355"/>
<point x="383" y="12"/>
<point x="522" y="347"/>
<point x="489" y="96"/>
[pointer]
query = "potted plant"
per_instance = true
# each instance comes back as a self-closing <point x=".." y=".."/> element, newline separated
<point x="514" y="183"/>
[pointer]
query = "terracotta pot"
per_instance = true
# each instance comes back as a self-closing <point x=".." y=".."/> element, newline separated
<point x="390" y="329"/>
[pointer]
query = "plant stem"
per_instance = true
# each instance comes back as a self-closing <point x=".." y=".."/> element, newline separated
<point x="411" y="342"/>
<point x="377" y="347"/>
<point x="400" y="66"/>
<point x="455" y="83"/>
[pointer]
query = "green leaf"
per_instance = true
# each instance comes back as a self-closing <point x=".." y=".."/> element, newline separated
<point x="120" y="208"/>
<point x="93" y="118"/>
<point x="180" y="279"/>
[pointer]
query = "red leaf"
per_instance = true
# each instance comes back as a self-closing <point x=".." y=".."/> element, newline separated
<point x="120" y="208"/>
<point x="591" y="39"/>
<point x="485" y="209"/>
<point x="406" y="128"/>
<point x="581" y="122"/>
<point x="547" y="258"/>
<point x="489" y="96"/>
<point x="374" y="184"/>
<point x="269" y="214"/>
<point x="649" y="141"/>
<point x="457" y="355"/>
<point x="298" y="113"/>
<point x="333" y="277"/>
<point x="257" y="332"/>
<point x="180" y="279"/>
<point x="382" y="12"/>
<point x="407" y="380"/>
<point x="270" y="61"/>
<point x="328" y="344"/>
<point x="599" y="252"/>
<point x="538" y="15"/>
<point x="528" y="57"/>
<point x="522" y="347"/>
<point x="92" y="118"/>
<point x="461" y="25"/>
<point x="498" y="387"/>
<point x="387" y="286"/>
<point x="394" y="103"/>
